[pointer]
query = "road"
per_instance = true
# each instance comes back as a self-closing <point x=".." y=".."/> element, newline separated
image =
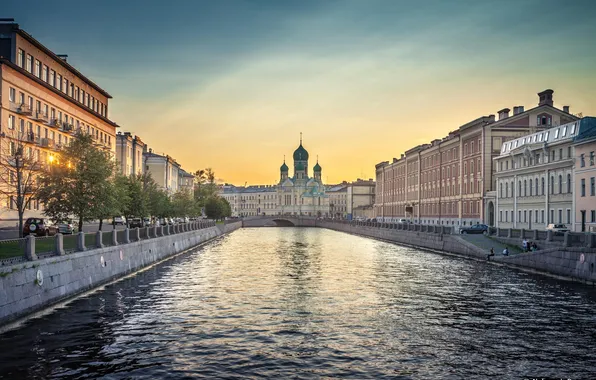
<point x="87" y="227"/>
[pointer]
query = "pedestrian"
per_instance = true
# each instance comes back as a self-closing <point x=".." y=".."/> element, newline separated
<point x="506" y="252"/>
<point x="492" y="253"/>
<point x="525" y="245"/>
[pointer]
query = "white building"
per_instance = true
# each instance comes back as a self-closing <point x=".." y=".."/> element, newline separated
<point x="534" y="178"/>
<point x="163" y="169"/>
<point x="129" y="153"/>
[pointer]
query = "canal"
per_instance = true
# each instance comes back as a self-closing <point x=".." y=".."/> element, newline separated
<point x="313" y="303"/>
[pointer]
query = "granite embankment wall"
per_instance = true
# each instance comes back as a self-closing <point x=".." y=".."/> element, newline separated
<point x="428" y="240"/>
<point x="30" y="286"/>
<point x="577" y="264"/>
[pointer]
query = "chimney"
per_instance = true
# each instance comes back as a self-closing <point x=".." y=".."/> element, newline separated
<point x="545" y="98"/>
<point x="566" y="109"/>
<point x="402" y="156"/>
<point x="504" y="113"/>
<point x="63" y="57"/>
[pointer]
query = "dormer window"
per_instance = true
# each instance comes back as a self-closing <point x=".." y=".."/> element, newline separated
<point x="564" y="131"/>
<point x="557" y="133"/>
<point x="572" y="128"/>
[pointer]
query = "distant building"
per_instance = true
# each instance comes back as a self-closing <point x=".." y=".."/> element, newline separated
<point x="186" y="181"/>
<point x="338" y="200"/>
<point x="350" y="200"/>
<point x="163" y="169"/>
<point x="450" y="181"/>
<point x="296" y="195"/>
<point x="129" y="153"/>
<point x="585" y="176"/>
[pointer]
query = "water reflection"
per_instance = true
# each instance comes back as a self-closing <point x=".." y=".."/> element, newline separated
<point x="304" y="303"/>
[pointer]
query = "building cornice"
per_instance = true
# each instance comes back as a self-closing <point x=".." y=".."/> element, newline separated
<point x="80" y="105"/>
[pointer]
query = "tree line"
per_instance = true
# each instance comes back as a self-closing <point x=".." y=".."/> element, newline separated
<point x="82" y="182"/>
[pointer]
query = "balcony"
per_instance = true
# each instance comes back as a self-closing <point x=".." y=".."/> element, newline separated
<point x="24" y="109"/>
<point x="41" y="116"/>
<point x="55" y="123"/>
<point x="47" y="143"/>
<point x="67" y="127"/>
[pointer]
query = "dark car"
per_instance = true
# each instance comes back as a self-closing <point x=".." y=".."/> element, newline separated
<point x="137" y="222"/>
<point x="39" y="227"/>
<point x="475" y="229"/>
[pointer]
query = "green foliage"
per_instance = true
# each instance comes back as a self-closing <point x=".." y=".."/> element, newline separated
<point x="138" y="200"/>
<point x="205" y="186"/>
<point x="183" y="204"/>
<point x="77" y="182"/>
<point x="217" y="208"/>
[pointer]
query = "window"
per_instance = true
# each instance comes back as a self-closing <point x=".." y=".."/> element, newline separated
<point x="506" y="190"/>
<point x="519" y="187"/>
<point x="592" y="158"/>
<point x="519" y="218"/>
<point x="552" y="184"/>
<point x="546" y="135"/>
<point x="540" y="137"/>
<point x="59" y="82"/>
<point x="20" y="58"/>
<point x="563" y="134"/>
<point x="536" y="182"/>
<point x="561" y="154"/>
<point x="11" y="122"/>
<point x="582" y="160"/>
<point x="535" y="216"/>
<point x="44" y="73"/>
<point x="37" y="70"/>
<point x="568" y="216"/>
<point x="583" y="187"/>
<point x="560" y="184"/>
<point x="541" y="216"/>
<point x="12" y="94"/>
<point x="552" y="156"/>
<point x="506" y="215"/>
<point x="29" y="65"/>
<point x="560" y="216"/>
<point x="568" y="152"/>
<point x="557" y="133"/>
<point x="525" y="216"/>
<point x="52" y="81"/>
<point x="531" y="187"/>
<point x="569" y="183"/>
<point x="592" y="185"/>
<point x="525" y="188"/>
<point x="572" y="129"/>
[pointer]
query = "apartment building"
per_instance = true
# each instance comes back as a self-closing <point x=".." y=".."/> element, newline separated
<point x="535" y="177"/>
<point x="449" y="181"/>
<point x="584" y="145"/>
<point x="129" y="153"/>
<point x="251" y="200"/>
<point x="163" y="169"/>
<point x="186" y="181"/>
<point x="45" y="101"/>
<point x="338" y="200"/>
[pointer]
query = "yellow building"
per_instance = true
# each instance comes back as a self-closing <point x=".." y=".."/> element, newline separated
<point x="44" y="102"/>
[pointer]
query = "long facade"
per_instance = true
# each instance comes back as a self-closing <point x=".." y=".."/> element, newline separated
<point x="585" y="178"/>
<point x="448" y="181"/>
<point x="44" y="102"/>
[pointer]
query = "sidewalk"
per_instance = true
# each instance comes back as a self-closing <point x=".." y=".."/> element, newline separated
<point x="486" y="243"/>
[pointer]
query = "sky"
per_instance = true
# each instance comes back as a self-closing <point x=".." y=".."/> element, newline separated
<point x="231" y="84"/>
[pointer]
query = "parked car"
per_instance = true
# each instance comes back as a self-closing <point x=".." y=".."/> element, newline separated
<point x="403" y="221"/>
<point x="475" y="229"/>
<point x="67" y="227"/>
<point x="558" y="229"/>
<point x="147" y="222"/>
<point x="119" y="220"/>
<point x="39" y="227"/>
<point x="136" y="223"/>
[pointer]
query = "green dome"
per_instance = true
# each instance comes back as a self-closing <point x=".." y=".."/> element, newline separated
<point x="300" y="154"/>
<point x="299" y="166"/>
<point x="284" y="168"/>
<point x="317" y="168"/>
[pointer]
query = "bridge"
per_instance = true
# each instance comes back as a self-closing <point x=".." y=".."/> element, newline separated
<point x="279" y="221"/>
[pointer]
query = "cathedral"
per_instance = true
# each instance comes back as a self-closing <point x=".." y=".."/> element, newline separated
<point x="301" y="194"/>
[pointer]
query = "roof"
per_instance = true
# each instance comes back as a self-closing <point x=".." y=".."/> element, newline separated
<point x="249" y="189"/>
<point x="4" y="61"/>
<point x="61" y="61"/>
<point x="587" y="129"/>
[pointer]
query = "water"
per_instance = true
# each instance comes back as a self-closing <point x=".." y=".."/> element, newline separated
<point x="313" y="303"/>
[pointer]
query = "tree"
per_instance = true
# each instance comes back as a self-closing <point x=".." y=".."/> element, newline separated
<point x="75" y="183"/>
<point x="20" y="166"/>
<point x="183" y="204"/>
<point x="115" y="199"/>
<point x="217" y="208"/>
<point x="138" y="200"/>
<point x="205" y="186"/>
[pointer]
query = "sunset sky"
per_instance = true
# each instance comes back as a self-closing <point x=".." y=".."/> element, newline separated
<point x="231" y="84"/>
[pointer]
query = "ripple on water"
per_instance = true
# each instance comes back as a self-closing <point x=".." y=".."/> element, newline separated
<point x="312" y="303"/>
